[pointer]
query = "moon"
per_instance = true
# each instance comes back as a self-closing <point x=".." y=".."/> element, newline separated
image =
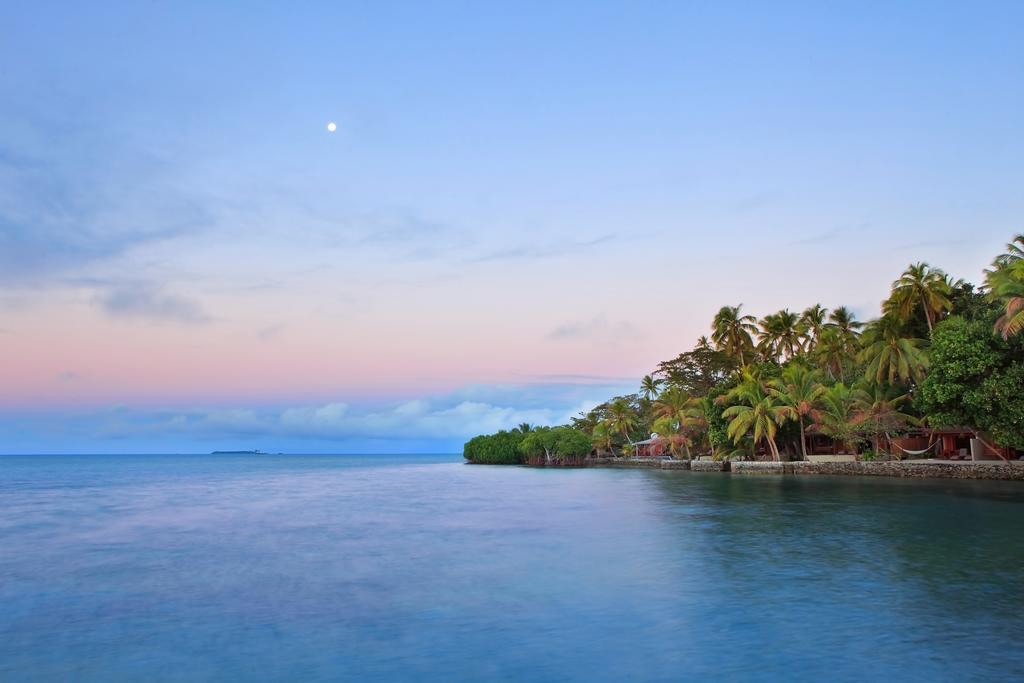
<point x="331" y="127"/>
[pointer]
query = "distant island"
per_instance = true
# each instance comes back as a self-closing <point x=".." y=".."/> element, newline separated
<point x="254" y="452"/>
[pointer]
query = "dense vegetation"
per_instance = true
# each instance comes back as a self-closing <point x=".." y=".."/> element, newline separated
<point x="941" y="353"/>
<point x="495" y="449"/>
<point x="531" y="445"/>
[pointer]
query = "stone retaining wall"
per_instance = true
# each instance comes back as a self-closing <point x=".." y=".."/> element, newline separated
<point x="944" y="470"/>
<point x="628" y="463"/>
<point x="940" y="470"/>
<point x="751" y="467"/>
<point x="675" y="465"/>
<point x="710" y="466"/>
<point x="650" y="463"/>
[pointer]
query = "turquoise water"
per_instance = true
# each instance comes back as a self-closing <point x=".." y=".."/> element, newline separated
<point x="421" y="568"/>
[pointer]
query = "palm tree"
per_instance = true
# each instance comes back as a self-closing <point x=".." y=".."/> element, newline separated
<point x="889" y="356"/>
<point x="1006" y="284"/>
<point x="676" y="440"/>
<point x="813" y="321"/>
<point x="757" y="413"/>
<point x="602" y="438"/>
<point x="833" y="352"/>
<point x="877" y="411"/>
<point x="732" y="332"/>
<point x="845" y="322"/>
<point x="649" y="387"/>
<point x="621" y="419"/>
<point x="1014" y="253"/>
<point x="780" y="335"/>
<point x="1009" y="287"/>
<point x="680" y="412"/>
<point x="799" y="389"/>
<point x="921" y="285"/>
<point x="836" y="415"/>
<point x="524" y="428"/>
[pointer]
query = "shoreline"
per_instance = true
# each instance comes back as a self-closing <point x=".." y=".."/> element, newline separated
<point x="919" y="469"/>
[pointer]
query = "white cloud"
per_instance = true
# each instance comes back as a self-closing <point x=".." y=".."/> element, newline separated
<point x="412" y="419"/>
<point x="430" y="424"/>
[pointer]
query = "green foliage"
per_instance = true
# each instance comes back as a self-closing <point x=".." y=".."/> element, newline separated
<point x="718" y="426"/>
<point x="800" y="389"/>
<point x="813" y="321"/>
<point x="495" y="449"/>
<point x="696" y="372"/>
<point x="878" y="412"/>
<point x="889" y="355"/>
<point x="733" y="333"/>
<point x="976" y="379"/>
<point x="920" y="287"/>
<point x="765" y="383"/>
<point x="971" y="304"/>
<point x="1006" y="283"/>
<point x="555" y="445"/>
<point x="836" y="416"/>
<point x="781" y="335"/>
<point x="650" y="387"/>
<point x="752" y="410"/>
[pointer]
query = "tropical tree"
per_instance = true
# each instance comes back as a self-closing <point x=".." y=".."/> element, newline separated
<point x="876" y="411"/>
<point x="668" y="434"/>
<point x="1009" y="288"/>
<point x="975" y="378"/>
<point x="1013" y="254"/>
<point x="649" y="387"/>
<point x="621" y="419"/>
<point x="732" y="332"/>
<point x="555" y="446"/>
<point x="845" y="322"/>
<point x="780" y="335"/>
<point x="602" y="439"/>
<point x="1006" y="285"/>
<point x="835" y="418"/>
<point x="799" y="388"/>
<point x="501" y="448"/>
<point x="919" y="285"/>
<point x="833" y="353"/>
<point x="678" y="414"/>
<point x="698" y="371"/>
<point x="755" y="412"/>
<point x="889" y="356"/>
<point x="813" y="322"/>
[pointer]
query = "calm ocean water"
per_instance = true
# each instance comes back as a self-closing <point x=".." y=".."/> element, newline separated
<point x="185" y="568"/>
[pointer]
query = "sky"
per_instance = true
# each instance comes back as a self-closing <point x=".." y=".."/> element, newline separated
<point x="524" y="208"/>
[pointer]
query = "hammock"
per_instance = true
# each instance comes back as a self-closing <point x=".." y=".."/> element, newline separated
<point x="907" y="450"/>
<point x="910" y="452"/>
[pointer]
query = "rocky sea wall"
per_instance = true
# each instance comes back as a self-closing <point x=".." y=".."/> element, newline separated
<point x="995" y="469"/>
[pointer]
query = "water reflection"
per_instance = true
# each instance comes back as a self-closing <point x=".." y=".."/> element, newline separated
<point x="399" y="569"/>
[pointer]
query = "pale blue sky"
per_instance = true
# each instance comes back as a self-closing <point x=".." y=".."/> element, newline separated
<point x="525" y="207"/>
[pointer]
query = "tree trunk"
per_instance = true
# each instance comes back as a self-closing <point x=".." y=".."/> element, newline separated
<point x="803" y="440"/>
